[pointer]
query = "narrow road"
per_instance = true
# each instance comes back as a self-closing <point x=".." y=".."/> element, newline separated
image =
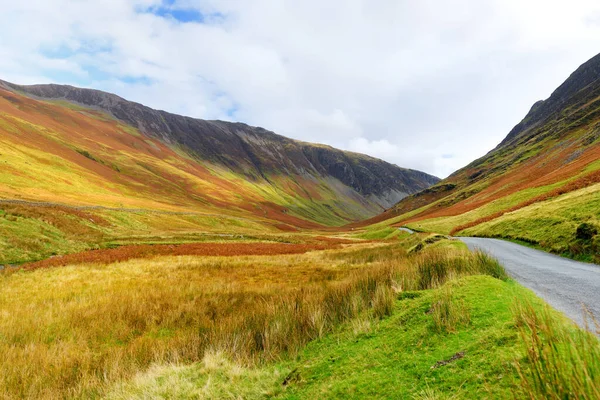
<point x="565" y="284"/>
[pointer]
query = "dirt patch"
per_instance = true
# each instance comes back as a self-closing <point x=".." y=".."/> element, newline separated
<point x="457" y="356"/>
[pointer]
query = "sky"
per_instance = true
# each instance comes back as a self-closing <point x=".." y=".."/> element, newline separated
<point x="428" y="85"/>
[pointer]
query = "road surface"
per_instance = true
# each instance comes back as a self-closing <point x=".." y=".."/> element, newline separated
<point x="565" y="284"/>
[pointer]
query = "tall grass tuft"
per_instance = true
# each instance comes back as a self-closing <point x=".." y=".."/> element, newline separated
<point x="436" y="267"/>
<point x="433" y="269"/>
<point x="282" y="326"/>
<point x="383" y="301"/>
<point x="489" y="266"/>
<point x="449" y="312"/>
<point x="560" y="362"/>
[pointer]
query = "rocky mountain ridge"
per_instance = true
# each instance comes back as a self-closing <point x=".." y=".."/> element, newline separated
<point x="581" y="87"/>
<point x="253" y="151"/>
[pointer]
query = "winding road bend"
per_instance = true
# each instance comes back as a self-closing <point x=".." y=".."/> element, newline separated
<point x="565" y="284"/>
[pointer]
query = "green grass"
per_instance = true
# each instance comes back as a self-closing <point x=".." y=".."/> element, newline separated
<point x="383" y="323"/>
<point x="387" y="232"/>
<point x="402" y="217"/>
<point x="23" y="239"/>
<point x="446" y="224"/>
<point x="216" y="377"/>
<point x="567" y="368"/>
<point x="449" y="243"/>
<point x="331" y="208"/>
<point x="395" y="359"/>
<point x="371" y="358"/>
<point x="89" y="325"/>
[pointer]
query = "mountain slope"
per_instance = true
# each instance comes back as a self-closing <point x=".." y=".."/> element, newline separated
<point x="253" y="152"/>
<point x="75" y="175"/>
<point x="552" y="156"/>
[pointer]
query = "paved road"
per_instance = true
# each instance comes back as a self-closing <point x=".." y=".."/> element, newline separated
<point x="565" y="284"/>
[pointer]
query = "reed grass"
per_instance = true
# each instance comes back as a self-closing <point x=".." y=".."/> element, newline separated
<point x="71" y="332"/>
<point x="561" y="361"/>
<point x="448" y="311"/>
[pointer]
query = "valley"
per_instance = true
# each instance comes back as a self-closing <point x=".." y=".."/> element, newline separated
<point x="75" y="177"/>
<point x="150" y="255"/>
<point x="264" y="320"/>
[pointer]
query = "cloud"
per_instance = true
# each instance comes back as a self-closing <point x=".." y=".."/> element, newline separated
<point x="378" y="148"/>
<point x="410" y="82"/>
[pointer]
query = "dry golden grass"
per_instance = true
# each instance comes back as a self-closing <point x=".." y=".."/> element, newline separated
<point x="71" y="332"/>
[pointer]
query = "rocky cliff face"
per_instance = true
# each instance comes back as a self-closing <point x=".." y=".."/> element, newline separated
<point x="253" y="151"/>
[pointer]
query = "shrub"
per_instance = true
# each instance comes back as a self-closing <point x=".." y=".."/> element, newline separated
<point x="586" y="231"/>
<point x="576" y="249"/>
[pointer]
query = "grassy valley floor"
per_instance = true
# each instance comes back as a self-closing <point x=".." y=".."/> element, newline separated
<point x="403" y="317"/>
<point x="474" y="349"/>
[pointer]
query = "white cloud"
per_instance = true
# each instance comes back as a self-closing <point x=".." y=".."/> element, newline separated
<point x="378" y="148"/>
<point x="410" y="82"/>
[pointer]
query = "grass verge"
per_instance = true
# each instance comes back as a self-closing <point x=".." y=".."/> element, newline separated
<point x="561" y="361"/>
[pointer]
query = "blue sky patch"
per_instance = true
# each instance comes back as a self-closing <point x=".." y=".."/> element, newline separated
<point x="84" y="47"/>
<point x="231" y="111"/>
<point x="57" y="52"/>
<point x="170" y="10"/>
<point x="181" y="15"/>
<point x="136" y="80"/>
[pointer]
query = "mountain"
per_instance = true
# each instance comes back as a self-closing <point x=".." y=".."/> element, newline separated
<point x="253" y="152"/>
<point x="540" y="184"/>
<point x="95" y="155"/>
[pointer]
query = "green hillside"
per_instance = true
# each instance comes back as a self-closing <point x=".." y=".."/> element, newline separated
<point x="538" y="186"/>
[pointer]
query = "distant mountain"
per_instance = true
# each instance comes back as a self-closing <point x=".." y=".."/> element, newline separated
<point x="311" y="182"/>
<point x="539" y="184"/>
